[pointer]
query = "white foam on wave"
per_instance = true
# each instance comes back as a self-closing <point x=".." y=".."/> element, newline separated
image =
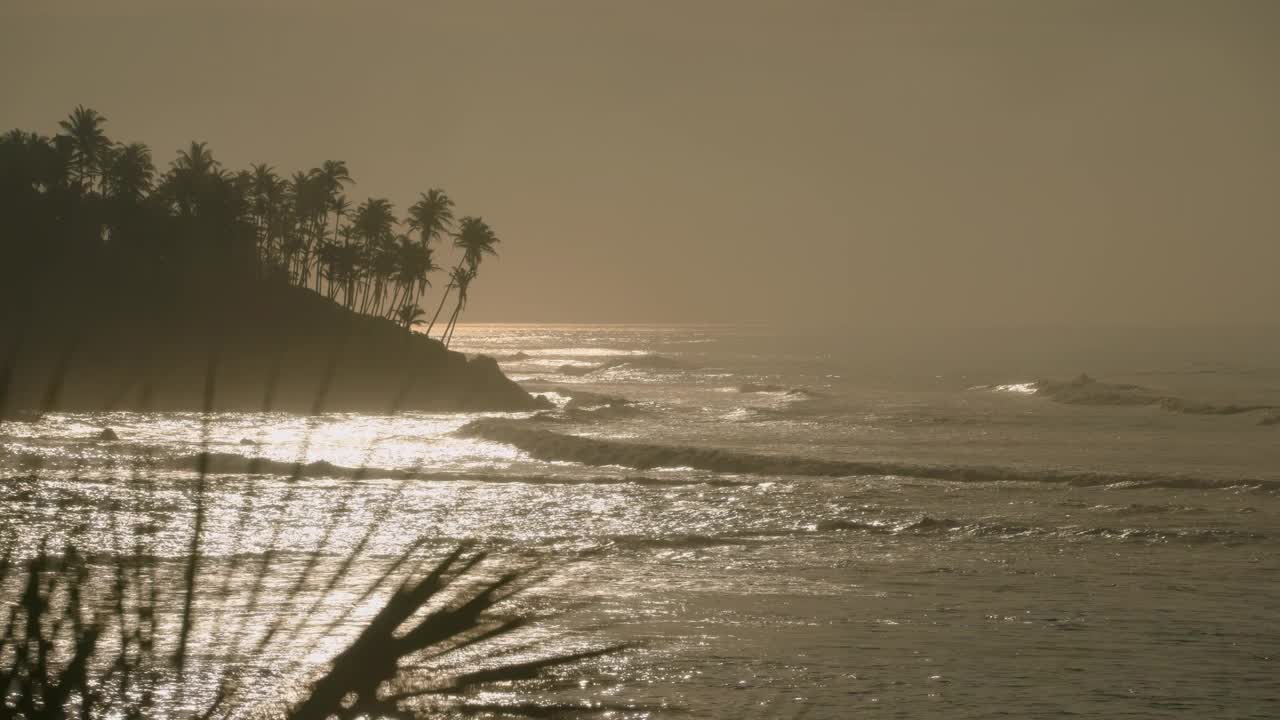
<point x="1019" y="388"/>
<point x="569" y="352"/>
<point x="551" y="362"/>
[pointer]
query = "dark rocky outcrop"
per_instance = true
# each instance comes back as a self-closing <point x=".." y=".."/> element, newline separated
<point x="259" y="345"/>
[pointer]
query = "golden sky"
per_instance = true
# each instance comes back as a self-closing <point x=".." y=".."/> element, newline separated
<point x="948" y="163"/>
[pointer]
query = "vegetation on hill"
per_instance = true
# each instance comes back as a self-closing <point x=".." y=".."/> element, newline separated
<point x="120" y="283"/>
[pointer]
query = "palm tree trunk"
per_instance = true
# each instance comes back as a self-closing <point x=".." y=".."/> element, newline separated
<point x="453" y="319"/>
<point x="439" y="307"/>
<point x="396" y="301"/>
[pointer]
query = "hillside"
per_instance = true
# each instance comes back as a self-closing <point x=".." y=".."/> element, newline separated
<point x="272" y="345"/>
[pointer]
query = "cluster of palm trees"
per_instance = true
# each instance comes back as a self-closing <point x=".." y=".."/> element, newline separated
<point x="302" y="229"/>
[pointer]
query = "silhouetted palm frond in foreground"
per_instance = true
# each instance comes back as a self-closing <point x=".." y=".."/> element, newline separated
<point x="369" y="677"/>
<point x="72" y="648"/>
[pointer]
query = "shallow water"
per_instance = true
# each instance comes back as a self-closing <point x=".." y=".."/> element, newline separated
<point x="1005" y="555"/>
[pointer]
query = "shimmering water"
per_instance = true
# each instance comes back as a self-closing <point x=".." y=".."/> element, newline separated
<point x="1104" y="561"/>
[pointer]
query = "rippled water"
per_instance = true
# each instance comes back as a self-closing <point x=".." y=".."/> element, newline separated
<point x="1005" y="554"/>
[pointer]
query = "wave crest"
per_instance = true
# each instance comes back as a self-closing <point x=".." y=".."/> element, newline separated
<point x="929" y="525"/>
<point x="220" y="463"/>
<point x="546" y="445"/>
<point x="772" y="389"/>
<point x="636" y="362"/>
<point x="1085" y="390"/>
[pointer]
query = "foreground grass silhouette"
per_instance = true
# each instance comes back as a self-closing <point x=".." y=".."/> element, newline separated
<point x="67" y="656"/>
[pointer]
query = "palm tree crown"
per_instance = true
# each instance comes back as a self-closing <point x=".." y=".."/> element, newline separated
<point x="374" y="220"/>
<point x="431" y="215"/>
<point x="128" y="174"/>
<point x="476" y="239"/>
<point x="190" y="176"/>
<point x="196" y="161"/>
<point x="88" y="142"/>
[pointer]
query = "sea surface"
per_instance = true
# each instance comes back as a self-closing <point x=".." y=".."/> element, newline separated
<point x="784" y="524"/>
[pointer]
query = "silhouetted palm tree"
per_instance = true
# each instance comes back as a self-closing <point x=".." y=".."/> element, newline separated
<point x="454" y="275"/>
<point x="336" y="176"/>
<point x="310" y="195"/>
<point x="374" y="222"/>
<point x="32" y="163"/>
<point x="349" y="265"/>
<point x="374" y="219"/>
<point x="413" y="265"/>
<point x="88" y="141"/>
<point x="269" y="205"/>
<point x="340" y="206"/>
<point x="189" y="177"/>
<point x="463" y="283"/>
<point x="409" y="315"/>
<point x="327" y="255"/>
<point x="129" y="173"/>
<point x="197" y="160"/>
<point x="475" y="239"/>
<point x="431" y="215"/>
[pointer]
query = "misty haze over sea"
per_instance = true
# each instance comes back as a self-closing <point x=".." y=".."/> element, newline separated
<point x="633" y="359"/>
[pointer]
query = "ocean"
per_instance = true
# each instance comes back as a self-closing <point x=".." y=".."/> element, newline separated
<point x="782" y="523"/>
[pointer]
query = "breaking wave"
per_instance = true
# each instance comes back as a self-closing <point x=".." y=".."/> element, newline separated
<point x="771" y="389"/>
<point x="1145" y="509"/>
<point x="587" y="406"/>
<point x="638" y="362"/>
<point x="928" y="525"/>
<point x="942" y="528"/>
<point x="219" y="463"/>
<point x="546" y="445"/>
<point x="1085" y="390"/>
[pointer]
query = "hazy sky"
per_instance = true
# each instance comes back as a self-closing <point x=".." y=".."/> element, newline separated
<point x="958" y="162"/>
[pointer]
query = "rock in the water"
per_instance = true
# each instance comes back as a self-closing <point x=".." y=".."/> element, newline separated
<point x="108" y="434"/>
<point x="247" y="441"/>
